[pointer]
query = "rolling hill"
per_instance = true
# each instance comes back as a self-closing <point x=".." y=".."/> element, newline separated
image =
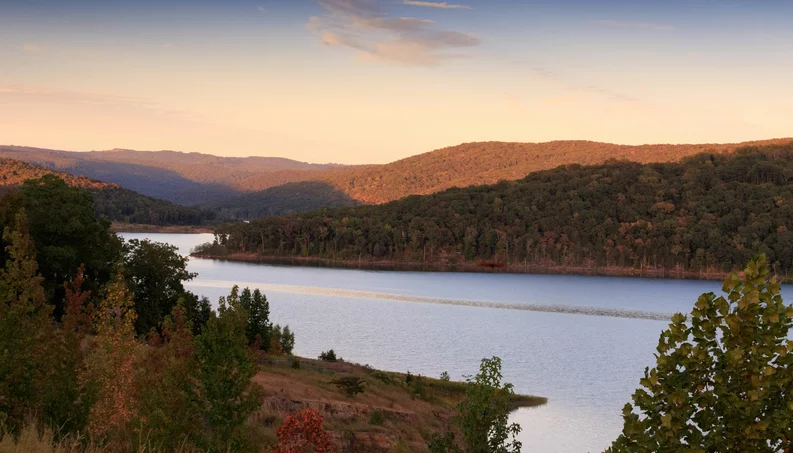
<point x="701" y="217"/>
<point x="289" y="198"/>
<point x="223" y="183"/>
<point x="115" y="202"/>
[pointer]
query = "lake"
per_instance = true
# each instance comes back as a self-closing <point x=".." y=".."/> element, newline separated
<point x="587" y="365"/>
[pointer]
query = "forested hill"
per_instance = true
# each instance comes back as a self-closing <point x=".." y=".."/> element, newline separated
<point x="710" y="212"/>
<point x="111" y="200"/>
<point x="489" y="162"/>
<point x="290" y="198"/>
<point x="193" y="178"/>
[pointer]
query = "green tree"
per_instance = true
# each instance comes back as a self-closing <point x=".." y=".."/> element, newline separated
<point x="259" y="325"/>
<point x="483" y="417"/>
<point x="168" y="408"/>
<point x="66" y="234"/>
<point x="723" y="381"/>
<point x="224" y="369"/>
<point x="155" y="273"/>
<point x="24" y="327"/>
<point x="283" y="339"/>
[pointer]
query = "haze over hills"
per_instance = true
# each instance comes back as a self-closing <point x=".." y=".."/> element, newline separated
<point x="183" y="178"/>
<point x="112" y="200"/>
<point x="217" y="182"/>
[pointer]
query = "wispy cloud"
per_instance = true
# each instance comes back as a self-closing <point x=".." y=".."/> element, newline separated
<point x="32" y="48"/>
<point x="634" y="25"/>
<point x="583" y="88"/>
<point x="364" y="26"/>
<point x="442" y="5"/>
<point x="261" y="9"/>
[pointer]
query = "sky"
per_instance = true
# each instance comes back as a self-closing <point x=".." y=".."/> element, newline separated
<point x="373" y="81"/>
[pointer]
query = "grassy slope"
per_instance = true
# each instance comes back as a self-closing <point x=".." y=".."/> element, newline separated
<point x="406" y="415"/>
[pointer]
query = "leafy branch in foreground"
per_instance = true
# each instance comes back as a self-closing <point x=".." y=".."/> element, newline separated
<point x="723" y="380"/>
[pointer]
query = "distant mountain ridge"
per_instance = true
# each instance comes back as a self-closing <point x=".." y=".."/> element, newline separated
<point x="112" y="200"/>
<point x="195" y="178"/>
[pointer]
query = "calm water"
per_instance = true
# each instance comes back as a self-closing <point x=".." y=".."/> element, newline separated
<point x="587" y="366"/>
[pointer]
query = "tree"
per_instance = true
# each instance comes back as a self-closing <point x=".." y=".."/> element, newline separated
<point x="155" y="273"/>
<point x="223" y="372"/>
<point x="303" y="432"/>
<point x="168" y="407"/>
<point x="259" y="325"/>
<point x="110" y="366"/>
<point x="483" y="417"/>
<point x="283" y="340"/>
<point x="24" y="327"/>
<point x="66" y="234"/>
<point x="723" y="381"/>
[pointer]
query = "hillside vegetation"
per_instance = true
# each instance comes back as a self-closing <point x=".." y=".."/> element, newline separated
<point x="111" y="200"/>
<point x="290" y="198"/>
<point x="193" y="178"/>
<point x="711" y="212"/>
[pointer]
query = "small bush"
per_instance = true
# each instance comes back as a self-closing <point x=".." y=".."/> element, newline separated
<point x="445" y="376"/>
<point x="382" y="377"/>
<point x="349" y="385"/>
<point x="376" y="418"/>
<point x="295" y="363"/>
<point x="328" y="356"/>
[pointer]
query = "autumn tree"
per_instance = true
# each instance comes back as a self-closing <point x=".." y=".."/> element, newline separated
<point x="483" y="417"/>
<point x="110" y="366"/>
<point x="723" y="381"/>
<point x="303" y="432"/>
<point x="223" y="371"/>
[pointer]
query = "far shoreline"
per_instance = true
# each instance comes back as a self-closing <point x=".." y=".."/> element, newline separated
<point x="530" y="269"/>
<point x="121" y="227"/>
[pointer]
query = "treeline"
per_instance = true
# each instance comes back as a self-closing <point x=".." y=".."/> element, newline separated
<point x="122" y="205"/>
<point x="290" y="198"/>
<point x="708" y="212"/>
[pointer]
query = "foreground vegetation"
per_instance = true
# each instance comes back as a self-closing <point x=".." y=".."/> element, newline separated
<point x="102" y="349"/>
<point x="707" y="214"/>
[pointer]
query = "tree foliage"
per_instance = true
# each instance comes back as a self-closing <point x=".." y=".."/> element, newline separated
<point x="723" y="381"/>
<point x="303" y="432"/>
<point x="259" y="326"/>
<point x="224" y="368"/>
<point x="483" y="417"/>
<point x="710" y="212"/>
<point x="24" y="323"/>
<point x="155" y="274"/>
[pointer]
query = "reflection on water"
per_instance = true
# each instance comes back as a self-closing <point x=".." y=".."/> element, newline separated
<point x="587" y="366"/>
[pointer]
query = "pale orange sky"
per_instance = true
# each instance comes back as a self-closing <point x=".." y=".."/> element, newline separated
<point x="325" y="82"/>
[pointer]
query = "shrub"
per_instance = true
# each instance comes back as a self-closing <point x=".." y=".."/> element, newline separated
<point x="349" y="385"/>
<point x="445" y="376"/>
<point x="376" y="418"/>
<point x="382" y="376"/>
<point x="303" y="432"/>
<point x="328" y="356"/>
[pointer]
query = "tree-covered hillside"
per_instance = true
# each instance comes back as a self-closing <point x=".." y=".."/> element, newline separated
<point x="290" y="198"/>
<point x="110" y="200"/>
<point x="709" y="212"/>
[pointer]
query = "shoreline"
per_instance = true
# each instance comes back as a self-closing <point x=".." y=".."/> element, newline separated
<point x="120" y="227"/>
<point x="533" y="269"/>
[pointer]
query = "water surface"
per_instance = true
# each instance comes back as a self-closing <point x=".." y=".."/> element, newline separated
<point x="587" y="366"/>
